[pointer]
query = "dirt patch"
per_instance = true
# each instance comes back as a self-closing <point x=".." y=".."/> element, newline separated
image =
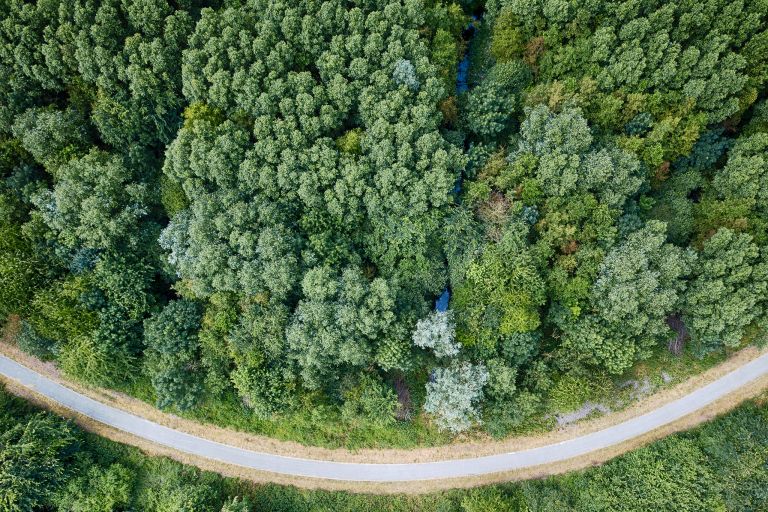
<point x="677" y="343"/>
<point x="404" y="403"/>
<point x="585" y="410"/>
<point x="640" y="388"/>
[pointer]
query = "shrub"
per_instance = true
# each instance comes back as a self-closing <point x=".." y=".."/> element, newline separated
<point x="453" y="395"/>
<point x="437" y="332"/>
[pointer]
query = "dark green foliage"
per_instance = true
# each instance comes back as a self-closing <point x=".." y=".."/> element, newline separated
<point x="94" y="90"/>
<point x="500" y="294"/>
<point x="173" y="354"/>
<point x="489" y="107"/>
<point x="258" y="348"/>
<point x="98" y="490"/>
<point x="59" y="314"/>
<point x="744" y="174"/>
<point x="51" y="136"/>
<point x="368" y="398"/>
<point x="344" y="322"/>
<point x="32" y="343"/>
<point x="121" y="59"/>
<point x="103" y="356"/>
<point x="299" y="180"/>
<point x="728" y="291"/>
<point x="687" y="491"/>
<point x="20" y="272"/>
<point x="264" y="390"/>
<point x="718" y="466"/>
<point x="286" y="155"/>
<point x="293" y="156"/>
<point x="96" y="203"/>
<point x="683" y="65"/>
<point x="673" y="206"/>
<point x="35" y="458"/>
<point x="628" y="113"/>
<point x="637" y="286"/>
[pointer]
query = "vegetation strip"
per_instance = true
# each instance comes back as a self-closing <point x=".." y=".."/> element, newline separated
<point x="386" y="472"/>
<point x="52" y="465"/>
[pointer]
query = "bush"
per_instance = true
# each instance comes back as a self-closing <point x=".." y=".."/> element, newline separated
<point x="570" y="393"/>
<point x="488" y="500"/>
<point x="507" y="40"/>
<point x="98" y="490"/>
<point x="32" y="343"/>
<point x="453" y="395"/>
<point x="172" y="356"/>
<point x="437" y="332"/>
<point x="370" y="399"/>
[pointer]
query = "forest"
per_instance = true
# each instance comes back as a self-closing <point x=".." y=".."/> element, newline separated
<point x="253" y="206"/>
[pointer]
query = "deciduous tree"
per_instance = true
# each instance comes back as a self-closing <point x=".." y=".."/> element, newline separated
<point x="454" y="394"/>
<point x="173" y="354"/>
<point x="727" y="292"/>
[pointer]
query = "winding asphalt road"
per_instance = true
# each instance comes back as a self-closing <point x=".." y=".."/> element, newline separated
<point x="358" y="472"/>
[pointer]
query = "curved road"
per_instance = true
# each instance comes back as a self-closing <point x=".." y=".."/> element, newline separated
<point x="358" y="472"/>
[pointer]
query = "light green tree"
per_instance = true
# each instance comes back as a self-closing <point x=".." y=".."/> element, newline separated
<point x="454" y="394"/>
<point x="727" y="291"/>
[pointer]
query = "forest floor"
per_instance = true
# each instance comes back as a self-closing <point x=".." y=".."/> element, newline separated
<point x="457" y="450"/>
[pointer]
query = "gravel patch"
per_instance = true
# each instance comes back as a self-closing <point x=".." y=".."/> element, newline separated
<point x="588" y="408"/>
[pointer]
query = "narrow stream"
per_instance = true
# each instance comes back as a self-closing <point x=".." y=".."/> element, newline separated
<point x="462" y="86"/>
<point x="462" y="75"/>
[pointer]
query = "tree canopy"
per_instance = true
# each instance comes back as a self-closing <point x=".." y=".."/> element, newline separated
<point x="358" y="211"/>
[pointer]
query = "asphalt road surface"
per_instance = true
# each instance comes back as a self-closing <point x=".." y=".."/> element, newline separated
<point x="357" y="472"/>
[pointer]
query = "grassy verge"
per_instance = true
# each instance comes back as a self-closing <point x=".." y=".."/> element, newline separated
<point x="312" y="424"/>
<point x="717" y="466"/>
<point x="321" y="424"/>
<point x="318" y="424"/>
<point x="662" y="371"/>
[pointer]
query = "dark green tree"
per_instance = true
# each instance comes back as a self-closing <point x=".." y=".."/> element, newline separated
<point x="639" y="284"/>
<point x="173" y="354"/>
<point x="727" y="292"/>
<point x="99" y="489"/>
<point x="35" y="459"/>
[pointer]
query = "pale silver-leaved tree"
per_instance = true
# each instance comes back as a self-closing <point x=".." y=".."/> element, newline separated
<point x="454" y="393"/>
<point x="438" y="333"/>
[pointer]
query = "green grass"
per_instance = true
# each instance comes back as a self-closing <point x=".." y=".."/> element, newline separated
<point x="614" y="391"/>
<point x="318" y="423"/>
<point x="321" y="425"/>
<point x="313" y="423"/>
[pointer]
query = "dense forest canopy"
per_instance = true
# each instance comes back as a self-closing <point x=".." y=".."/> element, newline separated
<point x="259" y="201"/>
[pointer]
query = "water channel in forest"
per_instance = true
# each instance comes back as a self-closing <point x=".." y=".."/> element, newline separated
<point x="462" y="86"/>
